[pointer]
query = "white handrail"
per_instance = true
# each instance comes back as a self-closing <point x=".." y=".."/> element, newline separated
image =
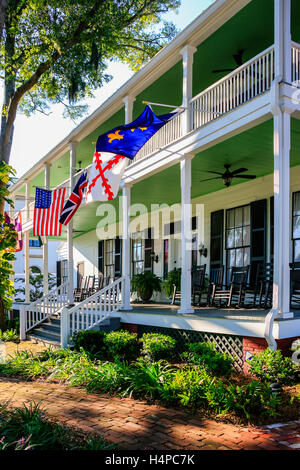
<point x="246" y="82"/>
<point x="35" y="313"/>
<point x="91" y="311"/>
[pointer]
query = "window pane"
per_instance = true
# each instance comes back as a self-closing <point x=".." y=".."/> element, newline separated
<point x="297" y="250"/>
<point x="239" y="217"/>
<point x="239" y="257"/>
<point x="230" y="218"/>
<point x="231" y="258"/>
<point x="230" y="238"/>
<point x="296" y="208"/>
<point x="247" y="215"/>
<point x="296" y="227"/>
<point x="246" y="256"/>
<point x="238" y="237"/>
<point x="246" y="236"/>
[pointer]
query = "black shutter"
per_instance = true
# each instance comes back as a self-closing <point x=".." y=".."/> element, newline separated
<point x="118" y="257"/>
<point x="149" y="248"/>
<point x="272" y="227"/>
<point x="258" y="235"/>
<point x="58" y="273"/>
<point x="101" y="256"/>
<point x="216" y="238"/>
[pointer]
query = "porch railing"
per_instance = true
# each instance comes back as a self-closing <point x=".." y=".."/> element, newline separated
<point x="168" y="133"/>
<point x="296" y="62"/>
<point x="246" y="82"/>
<point x="91" y="311"/>
<point x="35" y="313"/>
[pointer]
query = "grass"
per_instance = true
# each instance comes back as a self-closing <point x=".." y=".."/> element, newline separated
<point x="29" y="428"/>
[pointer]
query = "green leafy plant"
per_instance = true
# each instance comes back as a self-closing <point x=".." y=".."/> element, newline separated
<point x="157" y="346"/>
<point x="144" y="284"/>
<point x="121" y="344"/>
<point x="206" y="356"/>
<point x="7" y="245"/>
<point x="91" y="341"/>
<point x="36" y="282"/>
<point x="186" y="386"/>
<point x="173" y="277"/>
<point x="27" y="428"/>
<point x="9" y="335"/>
<point x="254" y="398"/>
<point x="271" y="366"/>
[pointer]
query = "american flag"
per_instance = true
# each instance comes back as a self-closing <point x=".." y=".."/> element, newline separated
<point x="47" y="210"/>
<point x="74" y="200"/>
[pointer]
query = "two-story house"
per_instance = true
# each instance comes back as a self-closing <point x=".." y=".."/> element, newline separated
<point x="233" y="74"/>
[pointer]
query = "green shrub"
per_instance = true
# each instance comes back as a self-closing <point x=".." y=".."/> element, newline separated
<point x="254" y="398"/>
<point x="205" y="355"/>
<point x="91" y="341"/>
<point x="173" y="277"/>
<point x="157" y="346"/>
<point x="9" y="335"/>
<point x="121" y="344"/>
<point x="186" y="387"/>
<point x="271" y="366"/>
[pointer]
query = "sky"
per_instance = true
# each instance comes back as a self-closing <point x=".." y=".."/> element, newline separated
<point x="36" y="135"/>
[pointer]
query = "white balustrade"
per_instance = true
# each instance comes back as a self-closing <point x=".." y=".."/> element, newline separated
<point x="35" y="313"/>
<point x="91" y="311"/>
<point x="246" y="82"/>
<point x="167" y="134"/>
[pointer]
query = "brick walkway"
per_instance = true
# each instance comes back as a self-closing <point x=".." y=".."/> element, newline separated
<point x="135" y="425"/>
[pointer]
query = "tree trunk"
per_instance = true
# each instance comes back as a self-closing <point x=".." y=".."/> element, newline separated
<point x="3" y="8"/>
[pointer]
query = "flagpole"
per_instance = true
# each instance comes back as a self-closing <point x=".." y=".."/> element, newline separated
<point x="164" y="105"/>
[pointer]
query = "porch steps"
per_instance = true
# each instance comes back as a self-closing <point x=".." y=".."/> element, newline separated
<point x="48" y="332"/>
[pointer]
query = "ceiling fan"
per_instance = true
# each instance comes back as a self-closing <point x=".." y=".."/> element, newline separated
<point x="238" y="58"/>
<point x="228" y="175"/>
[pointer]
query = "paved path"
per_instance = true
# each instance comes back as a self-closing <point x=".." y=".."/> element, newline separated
<point x="136" y="425"/>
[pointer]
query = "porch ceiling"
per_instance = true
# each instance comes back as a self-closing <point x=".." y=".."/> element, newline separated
<point x="216" y="52"/>
<point x="252" y="149"/>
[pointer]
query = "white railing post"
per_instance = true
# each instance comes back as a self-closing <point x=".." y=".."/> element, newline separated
<point x="22" y="322"/>
<point x="64" y="327"/>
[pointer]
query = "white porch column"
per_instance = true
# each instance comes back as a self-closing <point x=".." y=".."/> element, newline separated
<point x="186" y="237"/>
<point x="128" y="101"/>
<point x="27" y="201"/>
<point x="126" y="247"/>
<point x="281" y="282"/>
<point x="282" y="144"/>
<point x="282" y="40"/>
<point x="187" y="84"/>
<point x="73" y="146"/>
<point x="45" y="241"/>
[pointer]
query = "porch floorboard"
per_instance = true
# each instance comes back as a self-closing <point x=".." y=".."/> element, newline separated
<point x="257" y="315"/>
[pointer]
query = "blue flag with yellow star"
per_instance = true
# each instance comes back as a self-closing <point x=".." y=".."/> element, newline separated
<point x="128" y="139"/>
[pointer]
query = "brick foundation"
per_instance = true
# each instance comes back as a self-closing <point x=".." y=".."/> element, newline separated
<point x="132" y="327"/>
<point x="255" y="345"/>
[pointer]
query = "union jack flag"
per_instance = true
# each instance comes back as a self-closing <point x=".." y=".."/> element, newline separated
<point x="74" y="200"/>
<point x="47" y="209"/>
